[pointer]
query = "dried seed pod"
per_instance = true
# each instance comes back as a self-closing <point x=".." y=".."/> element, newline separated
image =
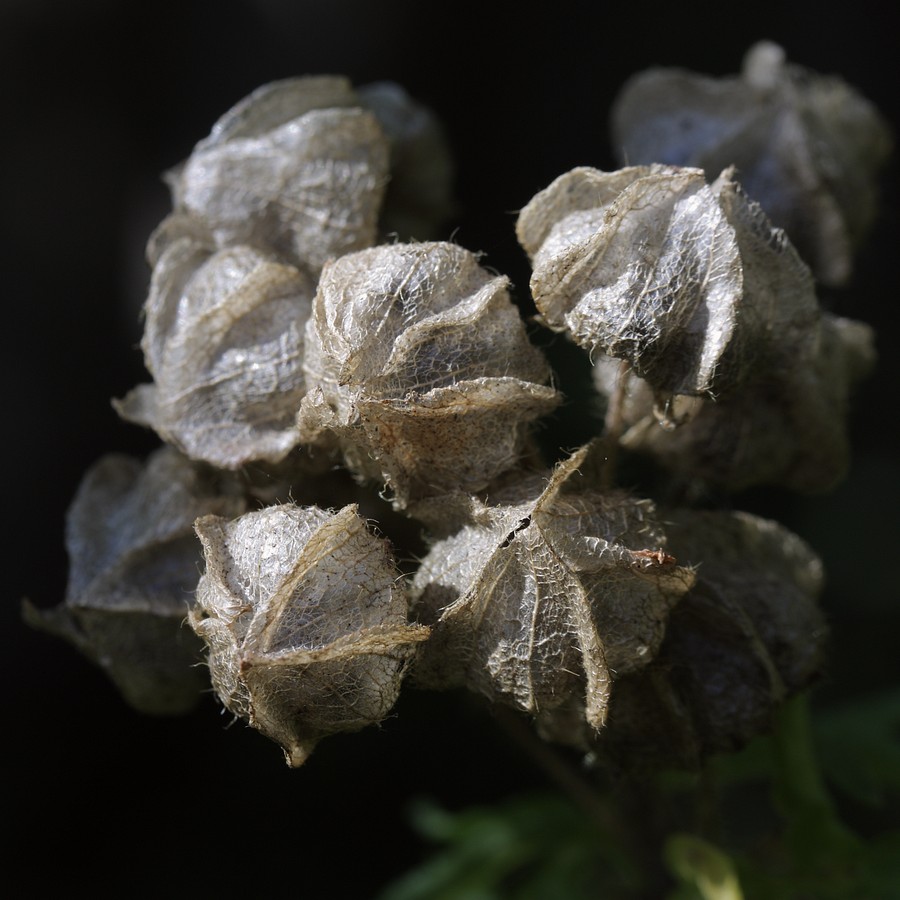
<point x="299" y="169"/>
<point x="296" y="169"/>
<point x="748" y="635"/>
<point x="419" y="368"/>
<point x="788" y="426"/>
<point x="223" y="340"/>
<point x="808" y="147"/>
<point x="686" y="281"/>
<point x="539" y="603"/>
<point x="305" y="621"/>
<point x="692" y="286"/>
<point x="134" y="565"/>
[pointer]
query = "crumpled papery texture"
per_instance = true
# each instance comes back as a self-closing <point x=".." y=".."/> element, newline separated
<point x="299" y="169"/>
<point x="807" y="146"/>
<point x="688" y="282"/>
<point x="296" y="169"/>
<point x="134" y="565"/>
<point x="419" y="368"/>
<point x="787" y="427"/>
<point x="305" y="620"/>
<point x="747" y="636"/>
<point x="223" y="340"/>
<point x="543" y="601"/>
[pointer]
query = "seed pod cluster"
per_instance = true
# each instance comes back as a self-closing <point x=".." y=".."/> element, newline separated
<point x="305" y="620"/>
<point x="701" y="296"/>
<point x="294" y="362"/>
<point x="808" y="147"/>
<point x="291" y="176"/>
<point x="420" y="370"/>
<point x="134" y="560"/>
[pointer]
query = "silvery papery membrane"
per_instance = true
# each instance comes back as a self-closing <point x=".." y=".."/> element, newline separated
<point x="223" y="340"/>
<point x="134" y="561"/>
<point x="730" y="371"/>
<point x="297" y="169"/>
<point x="420" y="370"/>
<point x="310" y="168"/>
<point x="305" y="620"/>
<point x="550" y="594"/>
<point x="807" y="146"/>
<point x="748" y="634"/>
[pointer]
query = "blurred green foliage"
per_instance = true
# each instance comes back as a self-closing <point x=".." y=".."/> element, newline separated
<point x="761" y="824"/>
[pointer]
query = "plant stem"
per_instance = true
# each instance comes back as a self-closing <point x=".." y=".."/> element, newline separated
<point x="815" y="833"/>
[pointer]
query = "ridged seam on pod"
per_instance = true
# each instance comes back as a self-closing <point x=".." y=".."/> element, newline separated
<point x="419" y="367"/>
<point x="306" y="623"/>
<point x="808" y="147"/>
<point x="223" y="340"/>
<point x="545" y="601"/>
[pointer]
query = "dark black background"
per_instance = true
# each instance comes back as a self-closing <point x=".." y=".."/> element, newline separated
<point x="99" y="98"/>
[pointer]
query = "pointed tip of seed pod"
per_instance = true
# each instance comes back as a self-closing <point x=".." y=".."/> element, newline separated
<point x="298" y="753"/>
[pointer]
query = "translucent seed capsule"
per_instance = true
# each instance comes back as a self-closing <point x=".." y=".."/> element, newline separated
<point x="223" y="340"/>
<point x="747" y="636"/>
<point x="420" y="370"/>
<point x="542" y="602"/>
<point x="297" y="169"/>
<point x="134" y="565"/>
<point x="807" y="146"/>
<point x="305" y="620"/>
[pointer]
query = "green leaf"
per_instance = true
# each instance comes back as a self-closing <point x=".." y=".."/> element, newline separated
<point x="698" y="864"/>
<point x="533" y="847"/>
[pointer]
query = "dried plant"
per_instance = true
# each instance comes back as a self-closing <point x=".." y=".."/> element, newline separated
<point x="546" y="594"/>
<point x="807" y="147"/>
<point x="306" y="622"/>
<point x="297" y="351"/>
<point x="419" y="368"/>
<point x="133" y="566"/>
